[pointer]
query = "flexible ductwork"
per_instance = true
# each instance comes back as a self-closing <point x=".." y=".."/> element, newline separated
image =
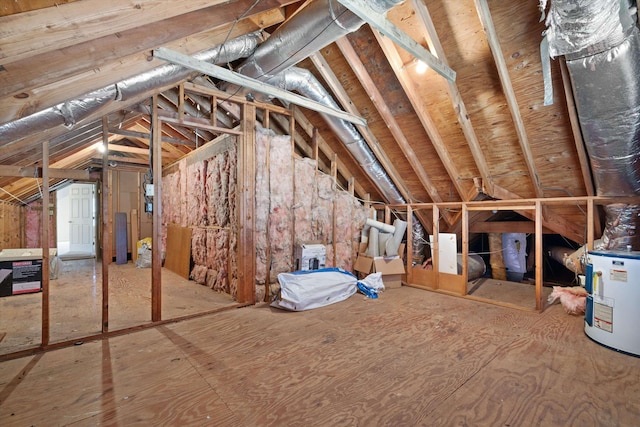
<point x="305" y="83"/>
<point x="316" y="26"/>
<point x="71" y="112"/>
<point x="601" y="44"/>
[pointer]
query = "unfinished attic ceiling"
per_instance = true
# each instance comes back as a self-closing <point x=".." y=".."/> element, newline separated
<point x="485" y="135"/>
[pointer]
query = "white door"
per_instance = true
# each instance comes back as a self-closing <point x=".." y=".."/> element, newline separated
<point x="81" y="220"/>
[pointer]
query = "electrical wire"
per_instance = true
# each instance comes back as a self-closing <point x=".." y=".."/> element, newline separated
<point x="15" y="197"/>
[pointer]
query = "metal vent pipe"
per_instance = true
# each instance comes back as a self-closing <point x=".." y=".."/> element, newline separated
<point x="316" y="26"/>
<point x="601" y="43"/>
<point x="70" y="112"/>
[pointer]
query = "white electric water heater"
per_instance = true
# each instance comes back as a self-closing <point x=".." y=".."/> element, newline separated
<point x="612" y="316"/>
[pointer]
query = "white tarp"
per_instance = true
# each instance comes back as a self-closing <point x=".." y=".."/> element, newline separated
<point x="304" y="290"/>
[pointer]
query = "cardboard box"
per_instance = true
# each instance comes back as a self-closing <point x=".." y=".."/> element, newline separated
<point x="310" y="256"/>
<point x="392" y="269"/>
<point x="20" y="277"/>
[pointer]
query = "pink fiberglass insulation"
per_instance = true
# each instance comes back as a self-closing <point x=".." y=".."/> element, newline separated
<point x="281" y="203"/>
<point x="199" y="274"/>
<point x="233" y="222"/>
<point x="322" y="212"/>
<point x="33" y="226"/>
<point x="196" y="196"/>
<point x="199" y="245"/>
<point x="233" y="265"/>
<point x="261" y="207"/>
<point x="171" y="199"/>
<point x="343" y="234"/>
<point x="218" y="259"/>
<point x="217" y="190"/>
<point x="305" y="184"/>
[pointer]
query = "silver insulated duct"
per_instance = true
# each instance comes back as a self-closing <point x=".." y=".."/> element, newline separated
<point x="601" y="43"/>
<point x="316" y="26"/>
<point x="71" y="112"/>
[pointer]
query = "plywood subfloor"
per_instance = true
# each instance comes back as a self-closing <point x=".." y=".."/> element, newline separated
<point x="522" y="294"/>
<point x="409" y="358"/>
<point x="76" y="303"/>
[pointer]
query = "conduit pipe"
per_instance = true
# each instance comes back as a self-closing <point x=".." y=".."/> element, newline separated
<point x="70" y="112"/>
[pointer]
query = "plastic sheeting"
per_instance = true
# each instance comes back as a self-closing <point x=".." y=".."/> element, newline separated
<point x="304" y="290"/>
<point x="514" y="246"/>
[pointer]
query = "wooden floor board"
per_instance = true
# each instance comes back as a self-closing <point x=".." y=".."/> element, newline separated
<point x="409" y="358"/>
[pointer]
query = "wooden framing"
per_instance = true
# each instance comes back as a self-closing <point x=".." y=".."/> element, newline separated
<point x="246" y="206"/>
<point x="156" y="242"/>
<point x="512" y="101"/>
<point x="106" y="227"/>
<point x="456" y="98"/>
<point x="457" y="284"/>
<point x="464" y="190"/>
<point x="45" y="244"/>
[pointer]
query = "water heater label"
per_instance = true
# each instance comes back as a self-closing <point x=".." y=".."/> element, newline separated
<point x="618" y="275"/>
<point x="603" y="317"/>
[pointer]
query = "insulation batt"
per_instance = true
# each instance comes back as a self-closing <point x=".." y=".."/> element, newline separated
<point x="322" y="213"/>
<point x="343" y="233"/>
<point x="203" y="196"/>
<point x="281" y="203"/>
<point x="312" y="210"/>
<point x="196" y="197"/>
<point x="33" y="228"/>
<point x="573" y="299"/>
<point x="233" y="223"/>
<point x="199" y="245"/>
<point x="305" y="195"/>
<point x="171" y="199"/>
<point x="261" y="209"/>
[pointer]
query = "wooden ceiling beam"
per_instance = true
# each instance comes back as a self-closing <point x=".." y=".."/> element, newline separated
<point x="385" y="112"/>
<point x="54" y="80"/>
<point x="492" y="37"/>
<point x="372" y="142"/>
<point x="37" y="32"/>
<point x="433" y="41"/>
<point x="463" y="188"/>
<point x="378" y="21"/>
<point x="146" y="135"/>
<point x="248" y="82"/>
<point x="33" y="171"/>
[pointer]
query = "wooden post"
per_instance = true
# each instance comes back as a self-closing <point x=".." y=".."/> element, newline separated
<point x="180" y="102"/>
<point x="106" y="229"/>
<point x="539" y="261"/>
<point x="465" y="247"/>
<point x="45" y="244"/>
<point x="135" y="234"/>
<point x="314" y="145"/>
<point x="156" y="240"/>
<point x="246" y="292"/>
<point x="434" y="245"/>
<point x="409" y="258"/>
<point x="591" y="217"/>
<point x="334" y="175"/>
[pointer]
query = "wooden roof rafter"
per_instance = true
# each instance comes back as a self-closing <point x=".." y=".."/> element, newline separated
<point x="466" y="191"/>
<point x="372" y="142"/>
<point x="433" y="41"/>
<point x="383" y="109"/>
<point x="492" y="37"/>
